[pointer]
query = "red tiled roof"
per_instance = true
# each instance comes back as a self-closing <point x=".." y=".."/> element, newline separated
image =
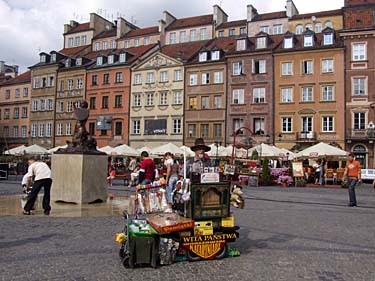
<point x="79" y="28"/>
<point x="142" y="31"/>
<point x="20" y="79"/>
<point x="183" y="51"/>
<point x="232" y="24"/>
<point x="226" y="44"/>
<point x="318" y="14"/>
<point x="270" y="16"/>
<point x="106" y="34"/>
<point x="75" y="51"/>
<point x="190" y="22"/>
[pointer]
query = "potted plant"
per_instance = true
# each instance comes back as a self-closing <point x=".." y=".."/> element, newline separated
<point x="301" y="182"/>
<point x="285" y="180"/>
<point x="266" y="174"/>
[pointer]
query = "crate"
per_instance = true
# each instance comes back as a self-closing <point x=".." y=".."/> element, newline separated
<point x="209" y="201"/>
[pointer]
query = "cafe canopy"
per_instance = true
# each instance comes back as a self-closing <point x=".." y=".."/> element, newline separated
<point x="169" y="147"/>
<point x="321" y="150"/>
<point x="123" y="150"/>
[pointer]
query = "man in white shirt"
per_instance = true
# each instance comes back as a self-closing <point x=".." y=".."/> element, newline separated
<point x="42" y="178"/>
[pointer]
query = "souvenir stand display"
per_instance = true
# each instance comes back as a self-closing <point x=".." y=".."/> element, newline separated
<point x="198" y="228"/>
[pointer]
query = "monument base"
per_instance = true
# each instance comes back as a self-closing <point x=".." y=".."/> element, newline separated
<point x="79" y="178"/>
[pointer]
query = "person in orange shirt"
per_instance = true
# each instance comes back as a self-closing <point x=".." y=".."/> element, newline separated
<point x="353" y="175"/>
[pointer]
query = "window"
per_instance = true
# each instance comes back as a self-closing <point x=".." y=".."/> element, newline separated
<point x="318" y="27"/>
<point x="106" y="78"/>
<point x="94" y="80"/>
<point x="192" y="128"/>
<point x="6" y="131"/>
<point x="177" y="97"/>
<point x="307" y="40"/>
<point x="193" y="79"/>
<point x="217" y="102"/>
<point x="203" y="32"/>
<point x="105" y="102"/>
<point x="218" y="77"/>
<point x="307" y="94"/>
<point x="241" y="45"/>
<point x="327" y="93"/>
<point x="258" y="126"/>
<point x="43" y="58"/>
<point x="16" y="113"/>
<point x="286" y="68"/>
<point x="68" y="129"/>
<point x="118" y="128"/>
<point x="137" y="79"/>
<point x="33" y="130"/>
<point x="172" y="38"/>
<point x="286" y="95"/>
<point x="327" y="65"/>
<point x="286" y="124"/>
<point x="127" y="44"/>
<point x="232" y="32"/>
<point x="23" y="131"/>
<point x="118" y="101"/>
<point x="36" y="83"/>
<point x="136" y="127"/>
<point x="24" y="112"/>
<point x="17" y="93"/>
<point x="99" y="60"/>
<point x="237" y="123"/>
<point x="79" y="83"/>
<point x="50" y="104"/>
<point x="259" y="95"/>
<point x="25" y="92"/>
<point x="150" y="99"/>
<point x="163" y="76"/>
<point x="182" y="36"/>
<point x="242" y="30"/>
<point x="34" y="105"/>
<point x="77" y="41"/>
<point x="237" y="68"/>
<point x="93" y="103"/>
<point x="299" y="29"/>
<point x="6" y="113"/>
<point x="136" y="42"/>
<point x="42" y="105"/>
<point x="328" y="39"/>
<point x="328" y="24"/>
<point x="122" y="57"/>
<point x="150" y="77"/>
<point x="111" y="59"/>
<point x="7" y="94"/>
<point x="205" y="102"/>
<point x="265" y="29"/>
<point x="59" y="129"/>
<point x="307" y="67"/>
<point x="193" y="103"/>
<point x="359" y="86"/>
<point x="118" y="77"/>
<point x="204" y="130"/>
<point x="193" y="35"/>
<point x="60" y="107"/>
<point x="308" y="26"/>
<point x="277" y="29"/>
<point x="238" y="96"/>
<point x="177" y="75"/>
<point x="163" y="98"/>
<point x="49" y="130"/>
<point x="70" y="84"/>
<point x="203" y="56"/>
<point x="69" y="106"/>
<point x="105" y="45"/>
<point x="218" y="130"/>
<point x="113" y="44"/>
<point x="359" y="120"/>
<point x="259" y="66"/>
<point x="307" y="124"/>
<point x="177" y="126"/>
<point x="146" y="41"/>
<point x="261" y="43"/>
<point x="359" y="51"/>
<point x="205" y="78"/>
<point x="137" y="100"/>
<point x="221" y="33"/>
<point x="70" y="42"/>
<point x="327" y="124"/>
<point x="215" y="55"/>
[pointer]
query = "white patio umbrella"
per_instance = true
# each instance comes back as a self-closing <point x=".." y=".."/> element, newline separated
<point x="238" y="152"/>
<point x="35" y="149"/>
<point x="124" y="150"/>
<point x="15" y="151"/>
<point x="54" y="149"/>
<point x="169" y="147"/>
<point x="266" y="150"/>
<point x="144" y="148"/>
<point x="321" y="150"/>
<point x="189" y="152"/>
<point x="219" y="151"/>
<point x="105" y="149"/>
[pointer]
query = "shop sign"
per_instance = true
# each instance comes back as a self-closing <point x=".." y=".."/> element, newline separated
<point x="207" y="246"/>
<point x="314" y="154"/>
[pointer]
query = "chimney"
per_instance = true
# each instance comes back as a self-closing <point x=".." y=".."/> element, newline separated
<point x="123" y="27"/>
<point x="67" y="28"/>
<point x="73" y="23"/>
<point x="291" y="9"/>
<point x="15" y="67"/>
<point x="219" y="15"/>
<point x="251" y="12"/>
<point x="2" y="66"/>
<point x="168" y="18"/>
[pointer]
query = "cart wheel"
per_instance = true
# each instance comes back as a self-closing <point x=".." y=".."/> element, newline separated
<point x="222" y="253"/>
<point x="126" y="262"/>
<point x="193" y="257"/>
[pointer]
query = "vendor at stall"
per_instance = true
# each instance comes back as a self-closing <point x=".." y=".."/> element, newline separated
<point x="201" y="160"/>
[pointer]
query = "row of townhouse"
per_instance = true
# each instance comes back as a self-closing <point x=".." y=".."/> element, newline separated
<point x="292" y="79"/>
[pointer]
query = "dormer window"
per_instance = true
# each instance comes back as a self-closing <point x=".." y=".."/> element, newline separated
<point x="43" y="58"/>
<point x="53" y="57"/>
<point x="241" y="45"/>
<point x="307" y="40"/>
<point x="67" y="63"/>
<point x="299" y="29"/>
<point x="79" y="61"/>
<point x="328" y="39"/>
<point x="203" y="56"/>
<point x="215" y="55"/>
<point x="308" y="26"/>
<point x="261" y="43"/>
<point x="288" y="43"/>
<point x="122" y="57"/>
<point x="110" y="59"/>
<point x="99" y="60"/>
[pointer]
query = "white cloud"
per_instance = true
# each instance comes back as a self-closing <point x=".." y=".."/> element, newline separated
<point x="28" y="27"/>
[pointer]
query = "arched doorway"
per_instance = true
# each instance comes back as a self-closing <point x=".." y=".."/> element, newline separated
<point x="360" y="153"/>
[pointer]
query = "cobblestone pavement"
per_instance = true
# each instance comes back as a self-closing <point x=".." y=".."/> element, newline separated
<point x="286" y="234"/>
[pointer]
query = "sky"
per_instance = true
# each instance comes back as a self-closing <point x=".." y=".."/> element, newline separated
<point x="30" y="27"/>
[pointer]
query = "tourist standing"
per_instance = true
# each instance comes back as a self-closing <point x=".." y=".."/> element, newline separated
<point x="353" y="175"/>
<point x="147" y="172"/>
<point x="172" y="176"/>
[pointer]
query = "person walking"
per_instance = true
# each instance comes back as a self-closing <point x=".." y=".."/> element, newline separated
<point x="147" y="171"/>
<point x="172" y="176"/>
<point x="353" y="175"/>
<point x="42" y="178"/>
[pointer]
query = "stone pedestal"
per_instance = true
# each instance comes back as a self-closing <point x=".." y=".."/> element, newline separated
<point x="79" y="178"/>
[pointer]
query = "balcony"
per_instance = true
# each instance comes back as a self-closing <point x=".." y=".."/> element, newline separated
<point x="306" y="137"/>
<point x="358" y="134"/>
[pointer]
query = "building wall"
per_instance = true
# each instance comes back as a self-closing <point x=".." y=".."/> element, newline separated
<point x="101" y="42"/>
<point x="89" y="35"/>
<point x="253" y="28"/>
<point x="153" y="39"/>
<point x="337" y="22"/>
<point x="209" y="34"/>
<point x="226" y="30"/>
<point x="357" y="17"/>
